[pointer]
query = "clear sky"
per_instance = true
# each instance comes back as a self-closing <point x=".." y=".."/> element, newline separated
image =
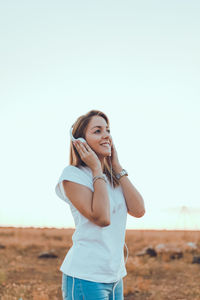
<point x="137" y="61"/>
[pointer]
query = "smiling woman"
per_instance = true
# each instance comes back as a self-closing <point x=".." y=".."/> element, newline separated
<point x="95" y="128"/>
<point x="100" y="195"/>
<point x="99" y="137"/>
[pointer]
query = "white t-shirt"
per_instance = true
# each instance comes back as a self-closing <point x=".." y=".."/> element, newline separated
<point x="97" y="253"/>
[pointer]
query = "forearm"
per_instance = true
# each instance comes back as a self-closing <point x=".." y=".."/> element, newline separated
<point x="134" y="201"/>
<point x="100" y="200"/>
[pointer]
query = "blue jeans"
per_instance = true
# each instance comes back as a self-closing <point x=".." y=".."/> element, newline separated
<point x="80" y="289"/>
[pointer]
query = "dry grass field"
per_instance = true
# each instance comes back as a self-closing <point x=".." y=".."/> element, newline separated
<point x="24" y="276"/>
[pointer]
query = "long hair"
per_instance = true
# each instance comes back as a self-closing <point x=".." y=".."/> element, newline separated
<point x="79" y="129"/>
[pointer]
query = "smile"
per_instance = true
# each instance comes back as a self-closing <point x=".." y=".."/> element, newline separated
<point x="105" y="145"/>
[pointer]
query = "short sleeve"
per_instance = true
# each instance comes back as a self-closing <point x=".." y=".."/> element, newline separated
<point x="74" y="174"/>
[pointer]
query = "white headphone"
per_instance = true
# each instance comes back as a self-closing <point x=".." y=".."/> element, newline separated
<point x="73" y="138"/>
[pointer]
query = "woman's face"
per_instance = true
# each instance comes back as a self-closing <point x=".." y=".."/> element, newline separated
<point x="98" y="136"/>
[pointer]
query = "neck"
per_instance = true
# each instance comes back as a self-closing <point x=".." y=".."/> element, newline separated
<point x="101" y="158"/>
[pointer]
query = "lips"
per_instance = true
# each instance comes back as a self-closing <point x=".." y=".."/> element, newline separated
<point x="107" y="145"/>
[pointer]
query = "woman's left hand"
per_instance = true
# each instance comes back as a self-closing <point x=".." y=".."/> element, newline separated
<point x="114" y="159"/>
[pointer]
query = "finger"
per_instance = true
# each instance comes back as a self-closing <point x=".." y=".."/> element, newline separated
<point x="81" y="149"/>
<point x="111" y="142"/>
<point x="87" y="146"/>
<point x="83" y="146"/>
<point x="78" y="148"/>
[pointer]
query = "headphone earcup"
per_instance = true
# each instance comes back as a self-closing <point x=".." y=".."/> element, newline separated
<point x="82" y="140"/>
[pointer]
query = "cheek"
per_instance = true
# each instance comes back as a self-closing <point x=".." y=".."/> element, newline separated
<point x="91" y="139"/>
<point x="91" y="142"/>
<point x="94" y="144"/>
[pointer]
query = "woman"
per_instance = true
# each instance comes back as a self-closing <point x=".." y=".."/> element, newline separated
<point x="100" y="195"/>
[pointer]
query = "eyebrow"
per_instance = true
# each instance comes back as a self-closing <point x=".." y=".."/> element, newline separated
<point x="99" y="127"/>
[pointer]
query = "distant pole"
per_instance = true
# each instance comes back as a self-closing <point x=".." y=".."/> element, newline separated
<point x="181" y="220"/>
<point x="184" y="212"/>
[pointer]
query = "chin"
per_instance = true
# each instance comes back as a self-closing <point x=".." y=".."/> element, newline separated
<point x="107" y="154"/>
<point x="104" y="154"/>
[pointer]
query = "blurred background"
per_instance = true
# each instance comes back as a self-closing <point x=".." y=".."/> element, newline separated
<point x="137" y="61"/>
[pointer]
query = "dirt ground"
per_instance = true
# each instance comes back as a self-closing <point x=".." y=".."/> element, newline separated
<point x="24" y="276"/>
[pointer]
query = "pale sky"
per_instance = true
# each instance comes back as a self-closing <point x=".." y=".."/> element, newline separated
<point x="137" y="61"/>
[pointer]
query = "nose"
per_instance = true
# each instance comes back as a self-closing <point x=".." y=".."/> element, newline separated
<point x="106" y="135"/>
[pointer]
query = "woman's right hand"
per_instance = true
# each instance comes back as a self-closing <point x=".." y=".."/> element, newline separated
<point x="88" y="156"/>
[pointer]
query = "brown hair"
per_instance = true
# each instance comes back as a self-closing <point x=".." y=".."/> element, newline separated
<point x="79" y="129"/>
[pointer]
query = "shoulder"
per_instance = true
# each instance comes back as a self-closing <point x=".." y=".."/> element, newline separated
<point x="79" y="174"/>
<point x="79" y="170"/>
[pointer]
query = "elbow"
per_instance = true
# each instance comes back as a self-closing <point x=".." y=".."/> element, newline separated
<point x="141" y="214"/>
<point x="138" y="214"/>
<point x="101" y="222"/>
<point x="104" y="223"/>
